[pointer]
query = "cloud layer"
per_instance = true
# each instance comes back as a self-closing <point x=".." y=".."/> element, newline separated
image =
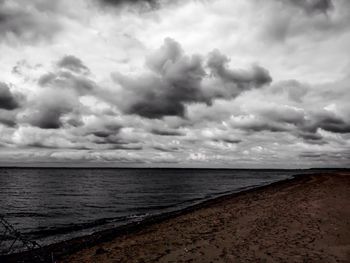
<point x="175" y="83"/>
<point x="177" y="79"/>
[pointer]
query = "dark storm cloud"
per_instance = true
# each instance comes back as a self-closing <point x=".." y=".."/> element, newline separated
<point x="7" y="122"/>
<point x="71" y="74"/>
<point x="105" y="133"/>
<point x="76" y="121"/>
<point x="73" y="63"/>
<point x="327" y="121"/>
<point x="26" y="20"/>
<point x="49" y="117"/>
<point x="8" y="118"/>
<point x="297" y="122"/>
<point x="49" y="107"/>
<point x="261" y="125"/>
<point x="326" y="156"/>
<point x="41" y="145"/>
<point x="150" y="3"/>
<point x="228" y="140"/>
<point x="243" y="79"/>
<point x="166" y="132"/>
<point x="177" y="80"/>
<point x="46" y="79"/>
<point x="102" y="134"/>
<point x="7" y="99"/>
<point x="163" y="148"/>
<point x="150" y="97"/>
<point x="67" y="80"/>
<point x="313" y="6"/>
<point x="310" y="155"/>
<point x="126" y="147"/>
<point x="115" y="141"/>
<point x="310" y="137"/>
<point x="335" y="125"/>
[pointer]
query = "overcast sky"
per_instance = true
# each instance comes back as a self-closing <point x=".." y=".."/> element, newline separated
<point x="199" y="83"/>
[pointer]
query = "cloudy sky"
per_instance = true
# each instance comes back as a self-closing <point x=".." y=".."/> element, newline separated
<point x="185" y="83"/>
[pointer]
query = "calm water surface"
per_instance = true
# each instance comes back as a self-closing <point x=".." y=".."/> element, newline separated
<point x="50" y="205"/>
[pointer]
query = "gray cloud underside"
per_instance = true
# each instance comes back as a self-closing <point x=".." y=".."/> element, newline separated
<point x="73" y="63"/>
<point x="27" y="20"/>
<point x="151" y="3"/>
<point x="8" y="118"/>
<point x="177" y="79"/>
<point x="313" y="6"/>
<point x="62" y="89"/>
<point x="167" y="132"/>
<point x="7" y="100"/>
<point x="321" y="19"/>
<point x="178" y="97"/>
<point x="67" y="80"/>
<point x="301" y="123"/>
<point x="174" y="82"/>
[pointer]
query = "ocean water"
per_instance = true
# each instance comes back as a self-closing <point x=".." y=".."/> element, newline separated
<point x="50" y="205"/>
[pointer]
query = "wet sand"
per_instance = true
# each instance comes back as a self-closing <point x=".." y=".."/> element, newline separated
<point x="303" y="220"/>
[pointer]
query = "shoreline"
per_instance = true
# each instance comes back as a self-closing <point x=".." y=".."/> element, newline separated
<point x="69" y="247"/>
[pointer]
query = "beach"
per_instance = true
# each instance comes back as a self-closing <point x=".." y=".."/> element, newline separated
<point x="305" y="219"/>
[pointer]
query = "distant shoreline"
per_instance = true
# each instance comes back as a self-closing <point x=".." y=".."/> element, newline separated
<point x="176" y="168"/>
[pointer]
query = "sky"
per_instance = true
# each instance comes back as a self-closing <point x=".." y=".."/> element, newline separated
<point x="184" y="83"/>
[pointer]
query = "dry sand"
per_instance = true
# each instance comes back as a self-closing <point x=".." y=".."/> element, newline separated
<point x="303" y="220"/>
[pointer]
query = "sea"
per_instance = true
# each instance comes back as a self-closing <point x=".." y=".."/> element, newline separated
<point x="49" y="205"/>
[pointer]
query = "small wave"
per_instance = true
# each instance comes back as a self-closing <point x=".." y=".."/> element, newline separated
<point x="41" y="232"/>
<point x="151" y="207"/>
<point x="27" y="214"/>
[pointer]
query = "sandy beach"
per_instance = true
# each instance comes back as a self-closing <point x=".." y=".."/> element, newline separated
<point x="306" y="219"/>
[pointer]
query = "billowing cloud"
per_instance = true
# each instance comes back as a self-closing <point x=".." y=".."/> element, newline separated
<point x="301" y="122"/>
<point x="226" y="83"/>
<point x="49" y="107"/>
<point x="67" y="80"/>
<point x="175" y="83"/>
<point x="177" y="79"/>
<point x="73" y="63"/>
<point x="258" y="76"/>
<point x="328" y="121"/>
<point x="71" y="75"/>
